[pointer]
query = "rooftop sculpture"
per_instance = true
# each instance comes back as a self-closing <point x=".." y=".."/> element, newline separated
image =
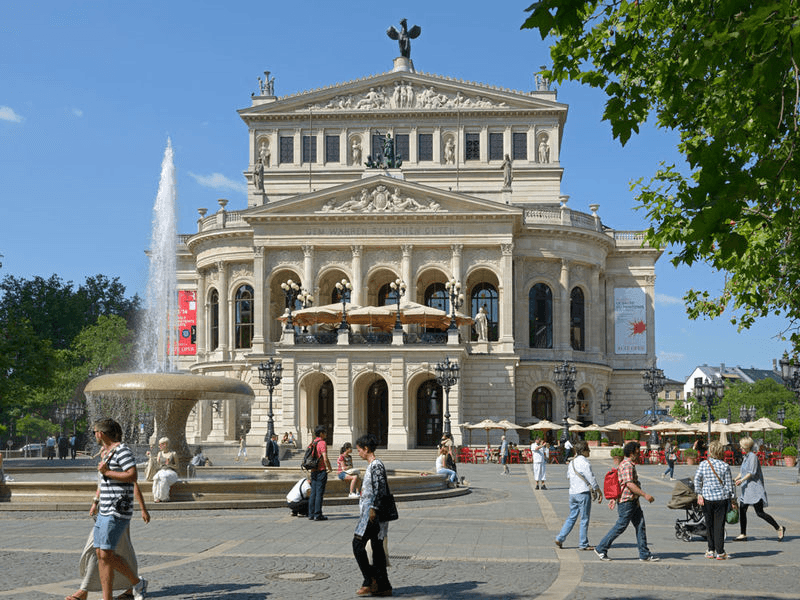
<point x="404" y="37"/>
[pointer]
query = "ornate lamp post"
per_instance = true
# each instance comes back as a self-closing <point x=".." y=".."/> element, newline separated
<point x="747" y="414"/>
<point x="291" y="290"/>
<point x="606" y="404"/>
<point x="781" y="416"/>
<point x="344" y="288"/>
<point x="447" y="377"/>
<point x="790" y="372"/>
<point x="564" y="376"/>
<point x="453" y="288"/>
<point x="73" y="411"/>
<point x="307" y="300"/>
<point x="269" y="374"/>
<point x="708" y="394"/>
<point x="653" y="382"/>
<point x="60" y="415"/>
<point x="399" y="287"/>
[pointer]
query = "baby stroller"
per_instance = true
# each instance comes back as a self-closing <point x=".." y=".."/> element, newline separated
<point x="684" y="498"/>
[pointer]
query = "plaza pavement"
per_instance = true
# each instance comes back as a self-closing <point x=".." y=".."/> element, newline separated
<point x="495" y="543"/>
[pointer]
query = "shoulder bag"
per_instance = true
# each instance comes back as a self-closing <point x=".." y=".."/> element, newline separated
<point x="732" y="514"/>
<point x="384" y="503"/>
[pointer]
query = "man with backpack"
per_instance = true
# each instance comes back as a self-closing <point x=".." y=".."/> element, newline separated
<point x="628" y="509"/>
<point x="319" y="477"/>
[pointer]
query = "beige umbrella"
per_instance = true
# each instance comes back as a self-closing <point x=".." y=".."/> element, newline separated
<point x="506" y="424"/>
<point x="676" y="426"/>
<point x="328" y="313"/>
<point x="624" y="425"/>
<point x="544" y="425"/>
<point x="767" y="424"/>
<point x="716" y="427"/>
<point x="592" y="427"/>
<point x="486" y="424"/>
<point x="382" y="317"/>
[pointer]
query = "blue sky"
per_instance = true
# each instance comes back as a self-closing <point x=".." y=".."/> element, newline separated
<point x="90" y="91"/>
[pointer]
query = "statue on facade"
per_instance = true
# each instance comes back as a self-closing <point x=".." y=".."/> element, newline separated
<point x="481" y="324"/>
<point x="449" y="152"/>
<point x="506" y="166"/>
<point x="544" y="150"/>
<point x="404" y="37"/>
<point x="263" y="153"/>
<point x="355" y="151"/>
<point x="389" y="159"/>
<point x="258" y="175"/>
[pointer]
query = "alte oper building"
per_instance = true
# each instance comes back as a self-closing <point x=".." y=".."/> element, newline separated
<point x="462" y="187"/>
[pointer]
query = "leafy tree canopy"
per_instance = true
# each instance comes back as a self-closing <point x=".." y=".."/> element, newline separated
<point x="725" y="75"/>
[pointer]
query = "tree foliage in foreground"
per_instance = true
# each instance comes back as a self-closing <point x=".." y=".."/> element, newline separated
<point x="725" y="75"/>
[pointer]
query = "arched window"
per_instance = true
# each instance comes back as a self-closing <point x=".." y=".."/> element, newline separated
<point x="213" y="320"/>
<point x="436" y="297"/>
<point x="540" y="311"/>
<point x="429" y="414"/>
<point x="542" y="404"/>
<point x="387" y="296"/>
<point x="485" y="295"/>
<point x="336" y="296"/>
<point x="576" y="321"/>
<point x="244" y="317"/>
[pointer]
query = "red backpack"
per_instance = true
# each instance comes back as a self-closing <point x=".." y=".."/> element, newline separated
<point x="612" y="490"/>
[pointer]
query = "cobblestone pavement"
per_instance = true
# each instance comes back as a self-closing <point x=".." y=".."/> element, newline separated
<point x="495" y="543"/>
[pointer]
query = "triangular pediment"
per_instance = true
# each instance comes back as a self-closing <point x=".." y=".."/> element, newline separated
<point x="379" y="196"/>
<point x="404" y="91"/>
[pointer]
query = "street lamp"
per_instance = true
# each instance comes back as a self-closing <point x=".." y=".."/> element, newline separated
<point x="564" y="376"/>
<point x="73" y="411"/>
<point x="781" y="416"/>
<point x="747" y="414"/>
<point x="291" y="290"/>
<point x="399" y="287"/>
<point x="606" y="405"/>
<point x="790" y="372"/>
<point x="653" y="382"/>
<point x="344" y="288"/>
<point x="306" y="300"/>
<point x="447" y="377"/>
<point x="453" y="288"/>
<point x="708" y="394"/>
<point x="269" y="374"/>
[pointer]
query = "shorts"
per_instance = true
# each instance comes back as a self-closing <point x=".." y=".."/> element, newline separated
<point x="341" y="475"/>
<point x="108" y="530"/>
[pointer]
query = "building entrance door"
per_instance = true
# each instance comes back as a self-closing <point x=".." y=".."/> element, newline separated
<point x="378" y="412"/>
<point x="429" y="414"/>
<point x="325" y="408"/>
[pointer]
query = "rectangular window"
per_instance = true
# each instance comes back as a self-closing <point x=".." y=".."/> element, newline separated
<point x="309" y="148"/>
<point x="495" y="146"/>
<point x="401" y="146"/>
<point x="425" y="146"/>
<point x="519" y="143"/>
<point x="377" y="147"/>
<point x="287" y="150"/>
<point x="332" y="148"/>
<point x="473" y="147"/>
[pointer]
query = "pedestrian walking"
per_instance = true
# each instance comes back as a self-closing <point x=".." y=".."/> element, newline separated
<point x="670" y="457"/>
<point x="714" y="487"/>
<point x="242" y="450"/>
<point x="319" y="478"/>
<point x="118" y="472"/>
<point x="273" y="455"/>
<point x="369" y="528"/>
<point x="628" y="509"/>
<point x="540" y="451"/>
<point x="583" y="488"/>
<point x="753" y="493"/>
<point x="504" y="454"/>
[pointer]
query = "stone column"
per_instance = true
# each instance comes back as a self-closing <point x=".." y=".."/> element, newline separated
<point x="399" y="414"/>
<point x="593" y="311"/>
<point x="506" y="295"/>
<point x="259" y="315"/>
<point x="224" y="310"/>
<point x="308" y="269"/>
<point x="202" y="312"/>
<point x="357" y="282"/>
<point x="405" y="272"/>
<point x="561" y="315"/>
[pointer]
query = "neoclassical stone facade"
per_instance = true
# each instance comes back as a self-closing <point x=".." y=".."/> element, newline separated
<point x="556" y="283"/>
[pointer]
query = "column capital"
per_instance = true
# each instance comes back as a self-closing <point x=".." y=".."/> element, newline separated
<point x="507" y="249"/>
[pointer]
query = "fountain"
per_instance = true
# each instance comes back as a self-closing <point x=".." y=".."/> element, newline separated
<point x="169" y="395"/>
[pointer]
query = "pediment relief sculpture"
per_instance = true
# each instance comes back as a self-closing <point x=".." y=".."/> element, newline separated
<point x="380" y="199"/>
<point x="405" y="95"/>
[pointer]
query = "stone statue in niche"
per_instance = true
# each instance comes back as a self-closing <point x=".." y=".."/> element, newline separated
<point x="263" y="153"/>
<point x="544" y="150"/>
<point x="258" y="175"/>
<point x="404" y="36"/>
<point x="506" y="166"/>
<point x="481" y="324"/>
<point x="449" y="152"/>
<point x="355" y="151"/>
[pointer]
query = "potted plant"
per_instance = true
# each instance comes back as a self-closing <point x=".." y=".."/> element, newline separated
<point x="691" y="456"/>
<point x="617" y="455"/>
<point x="632" y="435"/>
<point x="592" y="437"/>
<point x="790" y="456"/>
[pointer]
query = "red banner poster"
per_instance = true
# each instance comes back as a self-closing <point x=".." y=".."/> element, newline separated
<point x="187" y="323"/>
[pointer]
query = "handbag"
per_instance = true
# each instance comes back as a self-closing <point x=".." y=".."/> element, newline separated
<point x="385" y="505"/>
<point x="732" y="516"/>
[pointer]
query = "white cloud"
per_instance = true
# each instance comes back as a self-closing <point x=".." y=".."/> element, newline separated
<point x="7" y="114"/>
<point x="666" y="299"/>
<point x="671" y="357"/>
<point x="77" y="112"/>
<point x="218" y="181"/>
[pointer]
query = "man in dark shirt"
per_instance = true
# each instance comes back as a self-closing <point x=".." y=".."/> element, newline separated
<point x="319" y="478"/>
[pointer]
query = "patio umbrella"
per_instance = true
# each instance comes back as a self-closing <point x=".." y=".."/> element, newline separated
<point x="486" y="424"/>
<point x="767" y="424"/>
<point x="327" y="313"/>
<point x="544" y="425"/>
<point x="506" y="424"/>
<point x="382" y="317"/>
<point x="592" y="427"/>
<point x="676" y="426"/>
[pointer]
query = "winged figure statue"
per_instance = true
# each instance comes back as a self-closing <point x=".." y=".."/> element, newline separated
<point x="404" y="37"/>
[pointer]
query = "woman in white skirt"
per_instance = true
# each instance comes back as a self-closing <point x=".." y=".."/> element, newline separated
<point x="540" y="450"/>
<point x="166" y="476"/>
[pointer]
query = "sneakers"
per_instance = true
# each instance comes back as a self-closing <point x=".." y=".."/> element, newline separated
<point x="602" y="555"/>
<point x="586" y="548"/>
<point x="544" y="487"/>
<point x="651" y="558"/>
<point x="353" y="495"/>
<point x="723" y="556"/>
<point x="140" y="589"/>
<point x="711" y="554"/>
<point x="781" y="533"/>
<point x="559" y="544"/>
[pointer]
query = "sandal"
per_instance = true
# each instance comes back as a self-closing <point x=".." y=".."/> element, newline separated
<point x="740" y="538"/>
<point x="76" y="597"/>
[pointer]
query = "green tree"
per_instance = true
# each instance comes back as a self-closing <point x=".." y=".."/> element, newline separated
<point x="725" y="75"/>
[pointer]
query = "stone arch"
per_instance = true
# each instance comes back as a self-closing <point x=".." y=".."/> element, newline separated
<point x="326" y="283"/>
<point x="309" y="388"/>
<point x="422" y="381"/>
<point x="370" y="411"/>
<point x="376" y="278"/>
<point x="277" y="305"/>
<point x="483" y="288"/>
